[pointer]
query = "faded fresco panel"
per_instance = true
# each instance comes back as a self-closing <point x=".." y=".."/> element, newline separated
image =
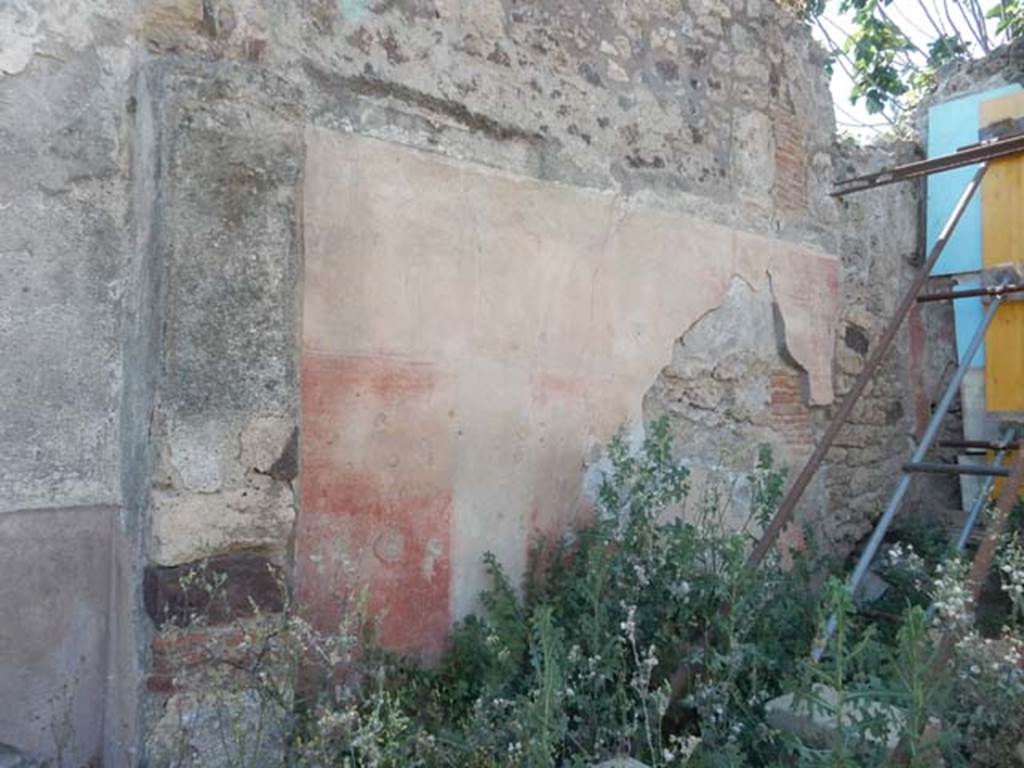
<point x="377" y="496"/>
<point x="469" y="338"/>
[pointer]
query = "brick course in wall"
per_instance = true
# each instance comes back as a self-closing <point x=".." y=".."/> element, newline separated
<point x="790" y="190"/>
<point x="790" y="415"/>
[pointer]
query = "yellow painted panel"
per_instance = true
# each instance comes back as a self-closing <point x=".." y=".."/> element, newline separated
<point x="1002" y="212"/>
<point x="1002" y="207"/>
<point x="1004" y="359"/>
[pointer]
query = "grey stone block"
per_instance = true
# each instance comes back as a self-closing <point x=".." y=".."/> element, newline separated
<point x="815" y="722"/>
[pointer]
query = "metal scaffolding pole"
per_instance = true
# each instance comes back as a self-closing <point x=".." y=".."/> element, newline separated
<point x="983" y="493"/>
<point x="788" y="505"/>
<point x="898" y="496"/>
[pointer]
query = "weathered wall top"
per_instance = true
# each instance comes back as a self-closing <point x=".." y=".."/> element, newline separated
<point x="1003" y="66"/>
<point x="707" y="101"/>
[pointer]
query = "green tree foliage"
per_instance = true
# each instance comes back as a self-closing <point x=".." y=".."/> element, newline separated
<point x="892" y="63"/>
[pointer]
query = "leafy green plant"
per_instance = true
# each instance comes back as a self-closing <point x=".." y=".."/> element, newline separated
<point x="842" y="689"/>
<point x="620" y="607"/>
<point x="641" y="633"/>
<point x="1009" y="16"/>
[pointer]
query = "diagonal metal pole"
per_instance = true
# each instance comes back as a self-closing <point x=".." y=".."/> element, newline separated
<point x="898" y="496"/>
<point x="785" y="512"/>
<point x="982" y="499"/>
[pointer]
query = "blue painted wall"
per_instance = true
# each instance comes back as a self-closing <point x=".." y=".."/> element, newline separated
<point x="952" y="125"/>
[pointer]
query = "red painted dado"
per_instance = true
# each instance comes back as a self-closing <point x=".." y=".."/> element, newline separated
<point x="353" y="535"/>
<point x="376" y="497"/>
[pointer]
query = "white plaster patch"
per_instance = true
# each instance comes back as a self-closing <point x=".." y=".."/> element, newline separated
<point x="189" y="526"/>
<point x="19" y="33"/>
<point x="755" y="152"/>
<point x="433" y="551"/>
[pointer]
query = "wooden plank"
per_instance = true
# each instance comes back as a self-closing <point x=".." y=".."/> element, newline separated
<point x="1002" y="203"/>
<point x="951" y="125"/>
<point x="1002" y="206"/>
<point x="1004" y="369"/>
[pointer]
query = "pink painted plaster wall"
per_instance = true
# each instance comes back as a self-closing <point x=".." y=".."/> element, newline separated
<point x="468" y="338"/>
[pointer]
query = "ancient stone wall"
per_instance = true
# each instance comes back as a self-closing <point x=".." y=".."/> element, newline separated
<point x="716" y="111"/>
<point x="184" y="167"/>
<point x="880" y="249"/>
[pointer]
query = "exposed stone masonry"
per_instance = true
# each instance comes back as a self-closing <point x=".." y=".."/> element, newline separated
<point x="152" y="236"/>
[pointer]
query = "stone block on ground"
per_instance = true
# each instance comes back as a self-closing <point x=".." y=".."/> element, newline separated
<point x="815" y="723"/>
<point x="873" y="588"/>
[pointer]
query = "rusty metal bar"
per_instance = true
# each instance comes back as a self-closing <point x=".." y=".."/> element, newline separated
<point x="796" y="490"/>
<point x="975" y="153"/>
<point x="942" y="468"/>
<point x="989" y="290"/>
<point x="975" y="581"/>
<point x="1008" y="499"/>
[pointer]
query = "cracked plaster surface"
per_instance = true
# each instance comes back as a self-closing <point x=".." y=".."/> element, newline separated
<point x="536" y="315"/>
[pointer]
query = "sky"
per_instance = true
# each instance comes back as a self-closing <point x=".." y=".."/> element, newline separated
<point x="910" y="15"/>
